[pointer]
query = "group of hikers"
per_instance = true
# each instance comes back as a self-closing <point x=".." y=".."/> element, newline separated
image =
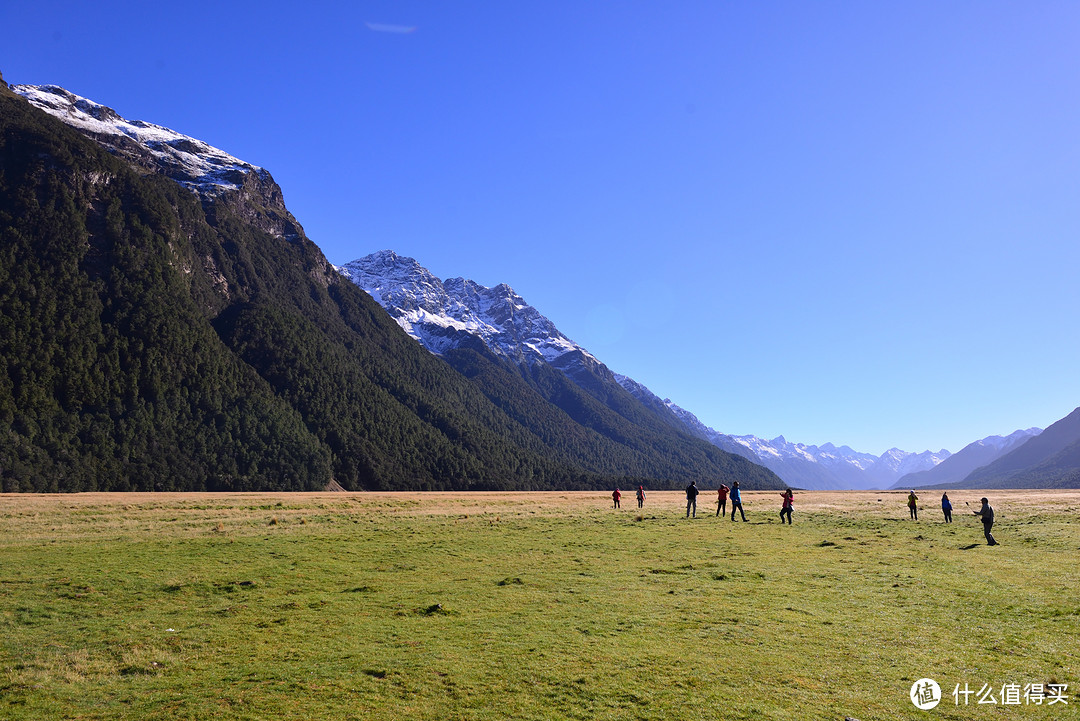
<point x="986" y="513"/>
<point x="723" y="494"/>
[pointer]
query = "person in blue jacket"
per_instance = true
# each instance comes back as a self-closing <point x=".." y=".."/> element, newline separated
<point x="946" y="507"/>
<point x="736" y="501"/>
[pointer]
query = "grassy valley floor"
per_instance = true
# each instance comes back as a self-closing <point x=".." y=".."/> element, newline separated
<point x="531" y="606"/>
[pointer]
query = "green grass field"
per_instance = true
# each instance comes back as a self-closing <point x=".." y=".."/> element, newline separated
<point x="529" y="606"/>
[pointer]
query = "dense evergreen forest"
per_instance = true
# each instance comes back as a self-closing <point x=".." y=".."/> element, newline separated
<point x="153" y="340"/>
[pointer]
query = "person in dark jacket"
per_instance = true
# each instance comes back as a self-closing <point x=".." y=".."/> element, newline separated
<point x="987" y="513"/>
<point x="691" y="498"/>
<point x="640" y="496"/>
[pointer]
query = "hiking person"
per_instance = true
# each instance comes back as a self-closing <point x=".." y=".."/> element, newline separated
<point x="946" y="507"/>
<point x="987" y="513"/>
<point x="789" y="498"/>
<point x="615" y="496"/>
<point x="640" y="496"/>
<point x="721" y="500"/>
<point x="691" y="498"/>
<point x="736" y="501"/>
<point x="913" y="505"/>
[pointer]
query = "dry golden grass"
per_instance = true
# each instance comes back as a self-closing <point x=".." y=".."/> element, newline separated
<point x="97" y="513"/>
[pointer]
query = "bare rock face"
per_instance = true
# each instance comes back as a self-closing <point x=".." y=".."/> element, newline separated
<point x="258" y="200"/>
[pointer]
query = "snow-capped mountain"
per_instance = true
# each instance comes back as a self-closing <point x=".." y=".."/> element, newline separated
<point x="458" y="313"/>
<point x="203" y="169"/>
<point x="192" y="163"/>
<point x="444" y="314"/>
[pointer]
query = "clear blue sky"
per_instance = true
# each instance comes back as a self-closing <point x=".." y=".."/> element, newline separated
<point x="849" y="222"/>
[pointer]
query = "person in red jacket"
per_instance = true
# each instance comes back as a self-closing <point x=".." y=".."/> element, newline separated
<point x="786" y="508"/>
<point x="721" y="500"/>
<point x="615" y="496"/>
<point x="640" y="496"/>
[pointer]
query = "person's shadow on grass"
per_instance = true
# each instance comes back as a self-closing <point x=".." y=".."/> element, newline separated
<point x="968" y="548"/>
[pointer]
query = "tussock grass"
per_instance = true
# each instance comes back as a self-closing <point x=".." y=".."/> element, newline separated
<point x="528" y="606"/>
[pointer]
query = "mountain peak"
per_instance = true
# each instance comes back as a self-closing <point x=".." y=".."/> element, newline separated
<point x="441" y="314"/>
<point x="388" y="265"/>
<point x="194" y="164"/>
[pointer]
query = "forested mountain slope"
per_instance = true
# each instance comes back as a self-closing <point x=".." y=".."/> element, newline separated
<point x="156" y="338"/>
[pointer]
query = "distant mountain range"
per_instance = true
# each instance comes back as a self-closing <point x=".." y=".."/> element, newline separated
<point x="1050" y="459"/>
<point x="961" y="464"/>
<point x="824" y="467"/>
<point x="444" y="315"/>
